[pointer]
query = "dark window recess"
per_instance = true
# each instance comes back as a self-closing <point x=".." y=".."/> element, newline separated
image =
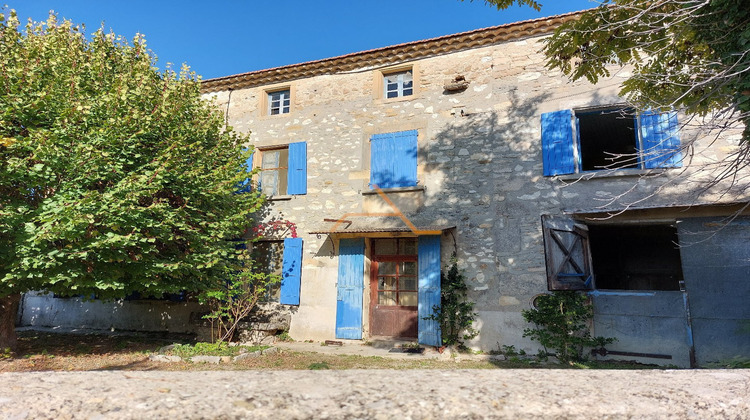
<point x="643" y="257"/>
<point x="269" y="257"/>
<point x="608" y="139"/>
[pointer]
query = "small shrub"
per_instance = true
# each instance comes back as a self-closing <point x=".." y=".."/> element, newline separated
<point x="562" y="324"/>
<point x="233" y="298"/>
<point x="284" y="336"/>
<point x="455" y="314"/>
<point x="319" y="366"/>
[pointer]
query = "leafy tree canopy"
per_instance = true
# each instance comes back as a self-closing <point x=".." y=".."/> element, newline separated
<point x="504" y="4"/>
<point x="691" y="55"/>
<point x="114" y="177"/>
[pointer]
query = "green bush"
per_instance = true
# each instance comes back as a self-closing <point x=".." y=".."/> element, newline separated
<point x="562" y="324"/>
<point x="455" y="313"/>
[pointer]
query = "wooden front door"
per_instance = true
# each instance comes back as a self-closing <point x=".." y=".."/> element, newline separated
<point x="393" y="288"/>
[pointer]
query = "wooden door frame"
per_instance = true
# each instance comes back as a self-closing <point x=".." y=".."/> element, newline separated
<point x="374" y="260"/>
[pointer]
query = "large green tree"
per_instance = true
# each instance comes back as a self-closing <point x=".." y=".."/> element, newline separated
<point x="114" y="177"/>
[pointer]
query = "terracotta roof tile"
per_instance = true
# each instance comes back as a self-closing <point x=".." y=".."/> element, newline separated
<point x="390" y="55"/>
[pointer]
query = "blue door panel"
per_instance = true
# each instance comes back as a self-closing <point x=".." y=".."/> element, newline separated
<point x="429" y="289"/>
<point x="351" y="283"/>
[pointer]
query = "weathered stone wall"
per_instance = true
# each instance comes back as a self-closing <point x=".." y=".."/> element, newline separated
<point x="480" y="167"/>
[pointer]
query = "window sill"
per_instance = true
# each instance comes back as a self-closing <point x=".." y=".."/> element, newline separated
<point x="613" y="173"/>
<point x="279" y="197"/>
<point x="395" y="190"/>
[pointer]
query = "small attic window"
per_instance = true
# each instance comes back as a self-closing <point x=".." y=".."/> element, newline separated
<point x="398" y="84"/>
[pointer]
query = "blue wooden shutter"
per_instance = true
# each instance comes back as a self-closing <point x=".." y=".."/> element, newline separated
<point x="291" y="271"/>
<point x="661" y="139"/>
<point x="429" y="289"/>
<point x="297" y="177"/>
<point x="351" y="283"/>
<point x="557" y="143"/>
<point x="247" y="184"/>
<point x="393" y="159"/>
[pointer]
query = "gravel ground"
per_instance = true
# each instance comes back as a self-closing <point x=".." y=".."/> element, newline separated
<point x="378" y="394"/>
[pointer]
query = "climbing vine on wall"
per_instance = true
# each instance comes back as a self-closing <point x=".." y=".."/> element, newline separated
<point x="456" y="313"/>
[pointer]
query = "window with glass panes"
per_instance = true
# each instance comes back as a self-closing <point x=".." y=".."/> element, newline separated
<point x="274" y="171"/>
<point x="396" y="265"/>
<point x="398" y="84"/>
<point x="278" y="102"/>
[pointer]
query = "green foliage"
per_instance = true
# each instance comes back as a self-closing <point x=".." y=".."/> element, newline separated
<point x="319" y="366"/>
<point x="234" y="295"/>
<point x="690" y="55"/>
<point x="285" y="337"/>
<point x="562" y="324"/>
<point x="211" y="349"/>
<point x="504" y="4"/>
<point x="455" y="313"/>
<point x="737" y="362"/>
<point x="114" y="177"/>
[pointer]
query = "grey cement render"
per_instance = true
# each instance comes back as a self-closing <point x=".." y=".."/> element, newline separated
<point x="716" y="264"/>
<point x="378" y="394"/>
<point x="479" y="170"/>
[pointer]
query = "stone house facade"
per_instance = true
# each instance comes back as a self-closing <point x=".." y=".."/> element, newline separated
<point x="390" y="162"/>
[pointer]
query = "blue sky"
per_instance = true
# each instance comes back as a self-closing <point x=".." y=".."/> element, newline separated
<point x="223" y="37"/>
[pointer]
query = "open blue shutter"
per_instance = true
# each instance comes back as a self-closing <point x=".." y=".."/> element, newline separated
<point x="297" y="176"/>
<point x="661" y="139"/>
<point x="393" y="159"/>
<point x="351" y="283"/>
<point x="291" y="271"/>
<point x="429" y="289"/>
<point x="557" y="143"/>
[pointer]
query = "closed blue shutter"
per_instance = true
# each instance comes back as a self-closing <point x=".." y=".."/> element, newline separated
<point x="297" y="169"/>
<point x="291" y="271"/>
<point x="351" y="283"/>
<point x="393" y="159"/>
<point x="661" y="139"/>
<point x="557" y="143"/>
<point x="429" y="289"/>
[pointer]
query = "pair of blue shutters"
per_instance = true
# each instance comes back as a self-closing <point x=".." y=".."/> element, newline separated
<point x="393" y="159"/>
<point x="351" y="283"/>
<point x="296" y="170"/>
<point x="660" y="141"/>
<point x="291" y="271"/>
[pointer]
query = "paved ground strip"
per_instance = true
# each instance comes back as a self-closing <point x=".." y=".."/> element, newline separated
<point x="378" y="394"/>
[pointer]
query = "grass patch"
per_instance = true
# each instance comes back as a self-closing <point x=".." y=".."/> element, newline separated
<point x="212" y="349"/>
<point x="319" y="366"/>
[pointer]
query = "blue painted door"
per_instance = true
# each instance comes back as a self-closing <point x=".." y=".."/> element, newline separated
<point x="429" y="289"/>
<point x="350" y="288"/>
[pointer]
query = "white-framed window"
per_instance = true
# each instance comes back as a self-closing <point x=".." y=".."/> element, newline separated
<point x="398" y="84"/>
<point x="279" y="102"/>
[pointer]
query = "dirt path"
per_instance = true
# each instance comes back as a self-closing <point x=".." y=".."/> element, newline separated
<point x="416" y="394"/>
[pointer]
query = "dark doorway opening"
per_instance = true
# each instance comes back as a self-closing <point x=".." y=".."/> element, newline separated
<point x="635" y="257"/>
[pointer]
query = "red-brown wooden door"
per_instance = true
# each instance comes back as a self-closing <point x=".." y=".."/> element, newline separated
<point x="393" y="288"/>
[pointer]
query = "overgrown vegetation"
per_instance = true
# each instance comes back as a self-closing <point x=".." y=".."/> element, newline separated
<point x="456" y="314"/>
<point x="233" y="298"/>
<point x="562" y="325"/>
<point x="211" y="349"/>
